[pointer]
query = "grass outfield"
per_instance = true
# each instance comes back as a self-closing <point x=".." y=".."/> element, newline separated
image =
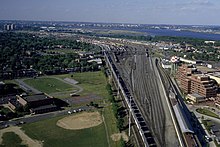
<point x="49" y="85"/>
<point x="54" y="136"/>
<point x="10" y="139"/>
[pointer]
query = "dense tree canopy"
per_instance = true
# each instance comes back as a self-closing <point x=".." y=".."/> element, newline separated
<point x="24" y="51"/>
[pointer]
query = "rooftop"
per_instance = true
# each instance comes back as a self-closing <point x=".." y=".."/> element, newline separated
<point x="215" y="74"/>
<point x="36" y="97"/>
<point x="44" y="107"/>
<point x="185" y="126"/>
<point x="196" y="95"/>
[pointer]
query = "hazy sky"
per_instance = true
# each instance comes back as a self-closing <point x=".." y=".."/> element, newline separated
<point x="122" y="11"/>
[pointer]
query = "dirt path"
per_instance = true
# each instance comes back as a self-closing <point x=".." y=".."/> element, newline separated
<point x="25" y="139"/>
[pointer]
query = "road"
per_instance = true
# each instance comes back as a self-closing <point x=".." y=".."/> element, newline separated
<point x="39" y="117"/>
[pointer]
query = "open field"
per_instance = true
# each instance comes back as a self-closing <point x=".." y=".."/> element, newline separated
<point x="91" y="82"/>
<point x="14" y="136"/>
<point x="10" y="139"/>
<point x="49" y="85"/>
<point x="53" y="135"/>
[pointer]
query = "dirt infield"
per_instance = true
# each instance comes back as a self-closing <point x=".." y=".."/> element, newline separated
<point x="80" y="121"/>
<point x="25" y="139"/>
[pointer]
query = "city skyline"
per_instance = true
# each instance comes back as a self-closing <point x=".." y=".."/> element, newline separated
<point x="189" y="12"/>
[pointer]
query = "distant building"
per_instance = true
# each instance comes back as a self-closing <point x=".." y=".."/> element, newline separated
<point x="9" y="27"/>
<point x="207" y="42"/>
<point x="97" y="60"/>
<point x="190" y="61"/>
<point x="166" y="64"/>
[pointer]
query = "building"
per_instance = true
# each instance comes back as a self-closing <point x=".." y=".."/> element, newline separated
<point x="166" y="64"/>
<point x="192" y="81"/>
<point x="9" y="27"/>
<point x="203" y="85"/>
<point x="195" y="98"/>
<point x="39" y="103"/>
<point x="35" y="100"/>
<point x="190" y="61"/>
<point x="182" y="75"/>
<point x="44" y="109"/>
<point x="215" y="76"/>
<point x="97" y="60"/>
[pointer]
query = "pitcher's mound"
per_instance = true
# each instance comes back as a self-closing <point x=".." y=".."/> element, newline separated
<point x="80" y="121"/>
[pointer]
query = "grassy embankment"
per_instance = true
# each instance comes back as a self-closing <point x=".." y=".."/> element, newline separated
<point x="207" y="112"/>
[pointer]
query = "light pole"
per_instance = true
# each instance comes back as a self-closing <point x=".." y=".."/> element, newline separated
<point x="129" y="129"/>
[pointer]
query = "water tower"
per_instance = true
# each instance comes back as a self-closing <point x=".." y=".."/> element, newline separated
<point x="174" y="61"/>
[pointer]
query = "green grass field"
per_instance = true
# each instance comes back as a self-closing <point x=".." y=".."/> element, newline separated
<point x="49" y="85"/>
<point x="10" y="139"/>
<point x="91" y="82"/>
<point x="54" y="136"/>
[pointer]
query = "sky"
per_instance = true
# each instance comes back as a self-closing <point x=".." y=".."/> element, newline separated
<point x="183" y="12"/>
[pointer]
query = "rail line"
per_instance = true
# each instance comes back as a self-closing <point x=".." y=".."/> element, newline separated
<point x="139" y="120"/>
